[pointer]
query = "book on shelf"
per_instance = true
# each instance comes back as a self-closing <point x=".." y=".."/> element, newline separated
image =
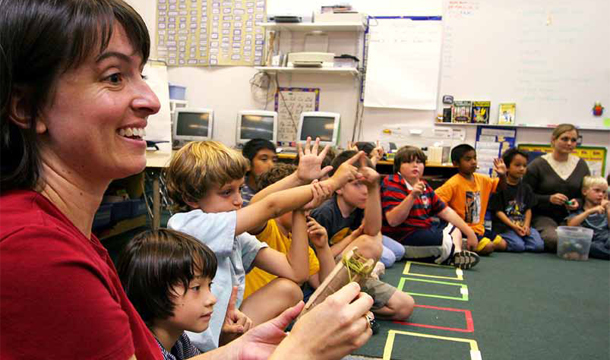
<point x="480" y="112"/>
<point x="506" y="114"/>
<point x="462" y="111"/>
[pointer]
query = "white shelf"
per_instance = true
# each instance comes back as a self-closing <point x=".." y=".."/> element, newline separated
<point x="521" y="126"/>
<point x="308" y="70"/>
<point x="329" y="27"/>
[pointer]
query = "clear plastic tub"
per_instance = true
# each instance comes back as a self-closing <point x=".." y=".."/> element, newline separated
<point x="574" y="242"/>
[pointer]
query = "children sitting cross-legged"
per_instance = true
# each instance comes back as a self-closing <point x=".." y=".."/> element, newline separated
<point x="167" y="276"/>
<point x="512" y="207"/>
<point x="204" y="179"/>
<point x="468" y="193"/>
<point x="349" y="226"/>
<point x="409" y="205"/>
<point x="280" y="232"/>
<point x="594" y="213"/>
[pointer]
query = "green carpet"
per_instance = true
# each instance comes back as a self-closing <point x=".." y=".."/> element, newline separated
<point x="523" y="306"/>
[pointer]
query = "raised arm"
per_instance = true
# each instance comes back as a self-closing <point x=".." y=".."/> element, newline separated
<point x="319" y="238"/>
<point x="310" y="163"/>
<point x="252" y="217"/>
<point x="372" y="211"/>
<point x="400" y="213"/>
<point x="295" y="264"/>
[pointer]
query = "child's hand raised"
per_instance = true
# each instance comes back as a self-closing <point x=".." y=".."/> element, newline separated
<point x="310" y="162"/>
<point x="236" y="323"/>
<point x="321" y="193"/>
<point x="418" y="189"/>
<point x="369" y="176"/>
<point x="346" y="172"/>
<point x="377" y="153"/>
<point x="351" y="146"/>
<point x="317" y="233"/>
<point x="500" y="167"/>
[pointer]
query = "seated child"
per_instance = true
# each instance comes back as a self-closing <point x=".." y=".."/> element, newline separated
<point x="262" y="156"/>
<point x="343" y="215"/>
<point x="204" y="179"/>
<point x="279" y="232"/>
<point x="409" y="204"/>
<point x="468" y="193"/>
<point x="594" y="214"/>
<point x="167" y="276"/>
<point x="512" y="207"/>
<point x="349" y="226"/>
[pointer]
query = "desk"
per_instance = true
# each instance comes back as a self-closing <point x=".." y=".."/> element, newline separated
<point x="156" y="161"/>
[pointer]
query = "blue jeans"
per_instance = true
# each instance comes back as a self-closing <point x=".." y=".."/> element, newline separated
<point x="532" y="242"/>
<point x="392" y="251"/>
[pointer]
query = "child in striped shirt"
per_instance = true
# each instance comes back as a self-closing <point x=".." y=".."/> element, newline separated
<point x="409" y="204"/>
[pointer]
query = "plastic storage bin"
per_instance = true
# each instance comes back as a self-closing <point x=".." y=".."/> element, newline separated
<point x="177" y="92"/>
<point x="574" y="242"/>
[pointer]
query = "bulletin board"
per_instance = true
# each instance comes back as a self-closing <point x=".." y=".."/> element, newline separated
<point x="290" y="102"/>
<point x="551" y="58"/>
<point x="210" y="32"/>
<point x="593" y="155"/>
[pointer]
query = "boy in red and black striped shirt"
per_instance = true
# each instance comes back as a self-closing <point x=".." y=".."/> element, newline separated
<point x="409" y="204"/>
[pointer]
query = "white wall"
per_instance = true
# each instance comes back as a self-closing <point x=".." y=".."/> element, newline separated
<point x="227" y="89"/>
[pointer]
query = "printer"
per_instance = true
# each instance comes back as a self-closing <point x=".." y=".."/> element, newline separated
<point x="311" y="59"/>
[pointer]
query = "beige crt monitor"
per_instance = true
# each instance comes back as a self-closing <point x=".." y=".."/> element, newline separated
<point x="324" y="125"/>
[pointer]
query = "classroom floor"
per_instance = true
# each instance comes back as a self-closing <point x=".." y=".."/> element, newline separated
<point x="511" y="306"/>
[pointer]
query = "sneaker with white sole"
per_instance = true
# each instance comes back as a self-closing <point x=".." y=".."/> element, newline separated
<point x="464" y="259"/>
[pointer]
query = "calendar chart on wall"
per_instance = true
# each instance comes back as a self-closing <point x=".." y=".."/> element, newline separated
<point x="210" y="32"/>
<point x="290" y="102"/>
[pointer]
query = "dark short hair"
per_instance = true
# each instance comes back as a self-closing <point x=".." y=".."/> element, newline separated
<point x="458" y="152"/>
<point x="155" y="261"/>
<point x="365" y="146"/>
<point x="343" y="157"/>
<point x="408" y="153"/>
<point x="252" y="147"/>
<point x="40" y="40"/>
<point x="275" y="174"/>
<point x="510" y="154"/>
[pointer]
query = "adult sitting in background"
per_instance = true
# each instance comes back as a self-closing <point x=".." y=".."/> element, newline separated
<point x="556" y="179"/>
<point x="262" y="156"/>
<point x="73" y="108"/>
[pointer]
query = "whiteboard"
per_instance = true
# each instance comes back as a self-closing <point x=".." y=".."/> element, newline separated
<point x="403" y="62"/>
<point x="552" y="58"/>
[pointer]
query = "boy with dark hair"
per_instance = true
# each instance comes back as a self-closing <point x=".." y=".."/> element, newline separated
<point x="167" y="276"/>
<point x="468" y="193"/>
<point x="512" y="207"/>
<point x="262" y="156"/>
<point x="352" y="218"/>
<point x="409" y="204"/>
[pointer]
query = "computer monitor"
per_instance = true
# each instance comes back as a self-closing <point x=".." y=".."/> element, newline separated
<point x="324" y="125"/>
<point x="192" y="124"/>
<point x="256" y="124"/>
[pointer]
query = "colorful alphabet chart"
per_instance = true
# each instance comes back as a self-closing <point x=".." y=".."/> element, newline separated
<point x="289" y="104"/>
<point x="210" y="32"/>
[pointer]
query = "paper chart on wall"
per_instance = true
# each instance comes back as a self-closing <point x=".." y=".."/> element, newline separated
<point x="210" y="32"/>
<point x="491" y="143"/>
<point x="289" y="104"/>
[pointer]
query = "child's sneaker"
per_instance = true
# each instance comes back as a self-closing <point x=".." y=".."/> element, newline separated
<point x="378" y="270"/>
<point x="464" y="259"/>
